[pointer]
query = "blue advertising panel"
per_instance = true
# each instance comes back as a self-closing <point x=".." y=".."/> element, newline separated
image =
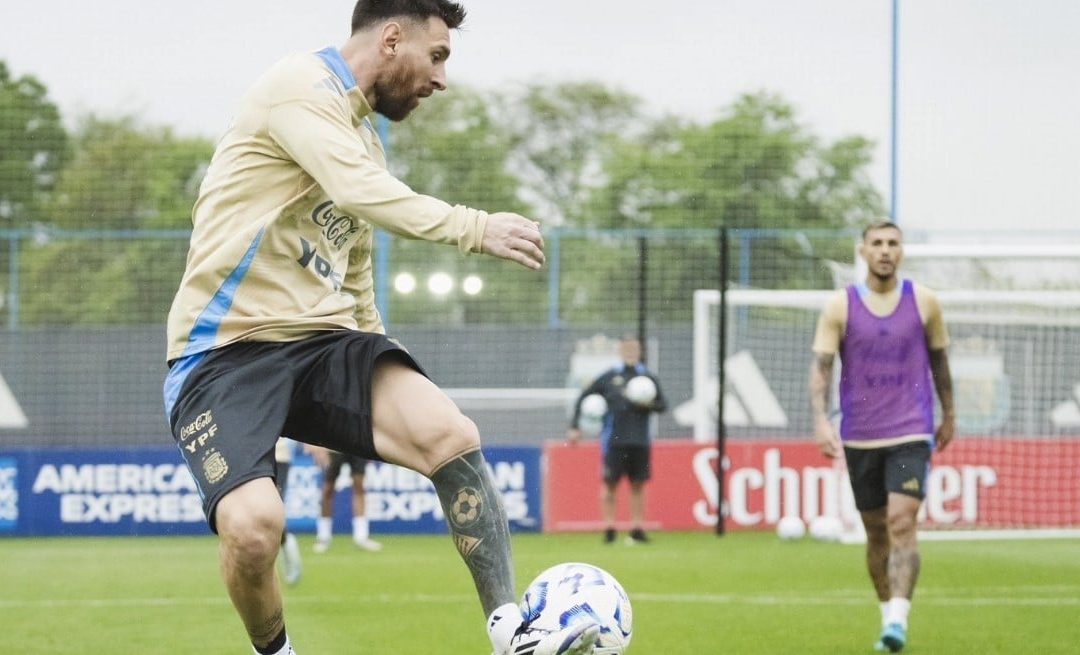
<point x="401" y="501"/>
<point x="149" y="491"/>
<point x="72" y="492"/>
<point x="9" y="494"/>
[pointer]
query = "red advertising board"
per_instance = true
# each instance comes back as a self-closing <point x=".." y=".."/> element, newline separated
<point x="977" y="482"/>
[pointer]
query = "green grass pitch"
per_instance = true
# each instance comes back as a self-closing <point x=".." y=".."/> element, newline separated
<point x="691" y="593"/>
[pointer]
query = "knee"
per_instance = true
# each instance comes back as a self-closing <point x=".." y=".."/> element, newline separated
<point x="250" y="540"/>
<point x="452" y="438"/>
<point x="901" y="525"/>
<point x="877" y="529"/>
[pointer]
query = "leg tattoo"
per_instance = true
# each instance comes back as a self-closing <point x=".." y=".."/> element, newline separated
<point x="478" y="526"/>
<point x="261" y="635"/>
<point x="877" y="552"/>
<point x="877" y="563"/>
<point x="903" y="570"/>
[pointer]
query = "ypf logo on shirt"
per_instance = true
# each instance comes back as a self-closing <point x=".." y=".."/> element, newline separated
<point x="9" y="494"/>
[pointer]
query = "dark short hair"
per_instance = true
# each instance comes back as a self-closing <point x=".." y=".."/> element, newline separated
<point x="368" y="12"/>
<point x="880" y="225"/>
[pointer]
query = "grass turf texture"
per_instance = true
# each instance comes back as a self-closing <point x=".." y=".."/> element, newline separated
<point x="691" y="593"/>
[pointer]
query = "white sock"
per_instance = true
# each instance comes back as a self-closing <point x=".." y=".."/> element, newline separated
<point x="501" y="626"/>
<point x="360" y="530"/>
<point x="898" y="611"/>
<point x="324" y="528"/>
<point x="884" y="605"/>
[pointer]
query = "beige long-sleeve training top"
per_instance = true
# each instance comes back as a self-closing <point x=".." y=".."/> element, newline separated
<point x="282" y="228"/>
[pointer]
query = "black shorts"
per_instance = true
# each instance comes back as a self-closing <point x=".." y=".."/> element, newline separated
<point x="356" y="464"/>
<point x="281" y="477"/>
<point x="236" y="402"/>
<point x="631" y="461"/>
<point x="877" y="472"/>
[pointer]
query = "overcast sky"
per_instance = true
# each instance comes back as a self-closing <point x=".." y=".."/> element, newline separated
<point x="989" y="99"/>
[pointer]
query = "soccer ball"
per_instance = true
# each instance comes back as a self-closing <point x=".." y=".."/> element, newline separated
<point x="826" y="528"/>
<point x="593" y="405"/>
<point x="790" y="528"/>
<point x="593" y="409"/>
<point x="568" y="593"/>
<point x="640" y="390"/>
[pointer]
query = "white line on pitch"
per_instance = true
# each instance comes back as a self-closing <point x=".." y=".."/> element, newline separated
<point x="716" y="599"/>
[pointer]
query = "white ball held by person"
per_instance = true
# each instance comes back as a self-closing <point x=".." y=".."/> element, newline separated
<point x="593" y="409"/>
<point x="640" y="390"/>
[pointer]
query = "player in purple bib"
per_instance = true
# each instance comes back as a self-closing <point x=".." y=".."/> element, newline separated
<point x="892" y="343"/>
<point x="885" y="381"/>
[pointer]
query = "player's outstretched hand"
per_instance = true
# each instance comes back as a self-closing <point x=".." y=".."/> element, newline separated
<point x="514" y="237"/>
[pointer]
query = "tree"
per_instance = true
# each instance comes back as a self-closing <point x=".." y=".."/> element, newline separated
<point x="34" y="147"/>
<point x="125" y="176"/>
<point x="537" y="151"/>
<point x="453" y="149"/>
<point x="121" y="178"/>
<point x="562" y="136"/>
<point x="756" y="167"/>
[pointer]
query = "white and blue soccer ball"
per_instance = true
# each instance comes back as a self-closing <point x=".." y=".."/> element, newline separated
<point x="573" y="592"/>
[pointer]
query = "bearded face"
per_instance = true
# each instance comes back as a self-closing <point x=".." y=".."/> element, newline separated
<point x="883" y="249"/>
<point x="398" y="92"/>
<point x="416" y="69"/>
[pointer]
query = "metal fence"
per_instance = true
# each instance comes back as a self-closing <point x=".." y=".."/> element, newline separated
<point x="82" y="343"/>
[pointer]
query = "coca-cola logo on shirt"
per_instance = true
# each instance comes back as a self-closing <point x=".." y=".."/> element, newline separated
<point x="336" y="228"/>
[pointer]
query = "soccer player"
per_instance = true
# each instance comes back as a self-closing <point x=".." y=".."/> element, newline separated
<point x="625" y="439"/>
<point x="291" y="564"/>
<point x="274" y="328"/>
<point x="891" y="339"/>
<point x="330" y="462"/>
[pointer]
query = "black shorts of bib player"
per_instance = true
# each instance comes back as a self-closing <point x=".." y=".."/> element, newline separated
<point x="877" y="472"/>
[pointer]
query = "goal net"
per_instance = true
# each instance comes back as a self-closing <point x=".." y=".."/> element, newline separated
<point x="1014" y="358"/>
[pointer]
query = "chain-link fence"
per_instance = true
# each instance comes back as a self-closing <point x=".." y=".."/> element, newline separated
<point x="83" y="334"/>
<point x="82" y="347"/>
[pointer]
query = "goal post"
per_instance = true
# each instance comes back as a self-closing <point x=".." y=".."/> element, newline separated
<point x="1013" y="357"/>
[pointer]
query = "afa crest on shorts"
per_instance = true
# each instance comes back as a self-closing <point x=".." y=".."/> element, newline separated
<point x="215" y="468"/>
